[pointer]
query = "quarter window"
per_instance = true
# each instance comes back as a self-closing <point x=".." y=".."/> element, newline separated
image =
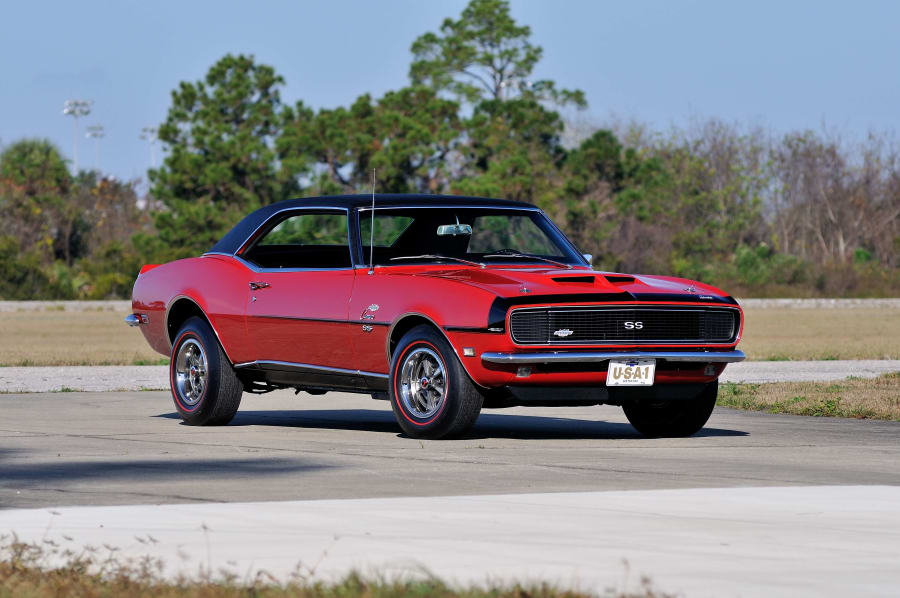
<point x="303" y="240"/>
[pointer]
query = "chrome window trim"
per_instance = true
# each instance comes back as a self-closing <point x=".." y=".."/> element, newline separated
<point x="260" y="270"/>
<point x="296" y="209"/>
<point x="448" y="206"/>
<point x="472" y="207"/>
<point x="254" y="268"/>
<point x="626" y="307"/>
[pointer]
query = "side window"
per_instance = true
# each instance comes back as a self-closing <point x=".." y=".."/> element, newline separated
<point x="304" y="240"/>
<point x="388" y="228"/>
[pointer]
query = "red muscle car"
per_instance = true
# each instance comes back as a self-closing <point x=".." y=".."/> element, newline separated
<point x="443" y="305"/>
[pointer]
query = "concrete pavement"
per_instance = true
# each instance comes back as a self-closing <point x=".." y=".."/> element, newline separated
<point x="812" y="541"/>
<point x="127" y="448"/>
<point x="124" y="378"/>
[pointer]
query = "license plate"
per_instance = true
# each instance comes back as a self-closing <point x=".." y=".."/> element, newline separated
<point x="631" y="372"/>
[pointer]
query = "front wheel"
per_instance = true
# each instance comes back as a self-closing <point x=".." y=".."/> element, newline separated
<point x="673" y="418"/>
<point x="430" y="392"/>
<point x="205" y="388"/>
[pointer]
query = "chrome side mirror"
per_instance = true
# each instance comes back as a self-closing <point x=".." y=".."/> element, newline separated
<point x="589" y="257"/>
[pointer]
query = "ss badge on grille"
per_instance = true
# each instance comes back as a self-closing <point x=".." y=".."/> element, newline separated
<point x="563" y="332"/>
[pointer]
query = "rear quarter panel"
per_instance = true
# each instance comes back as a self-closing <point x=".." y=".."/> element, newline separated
<point x="218" y="285"/>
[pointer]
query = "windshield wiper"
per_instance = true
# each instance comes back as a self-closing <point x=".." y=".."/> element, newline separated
<point x="511" y="253"/>
<point x="432" y="256"/>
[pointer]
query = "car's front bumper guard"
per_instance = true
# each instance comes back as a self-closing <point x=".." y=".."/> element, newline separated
<point x="599" y="356"/>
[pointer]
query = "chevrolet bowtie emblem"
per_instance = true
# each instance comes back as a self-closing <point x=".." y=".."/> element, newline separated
<point x="563" y="332"/>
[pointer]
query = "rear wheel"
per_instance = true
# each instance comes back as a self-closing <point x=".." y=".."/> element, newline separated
<point x="431" y="394"/>
<point x="673" y="418"/>
<point x="204" y="386"/>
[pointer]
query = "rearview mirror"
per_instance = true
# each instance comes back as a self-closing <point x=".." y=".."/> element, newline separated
<point x="453" y="230"/>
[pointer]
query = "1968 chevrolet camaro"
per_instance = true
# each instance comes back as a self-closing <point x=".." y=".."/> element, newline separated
<point x="443" y="305"/>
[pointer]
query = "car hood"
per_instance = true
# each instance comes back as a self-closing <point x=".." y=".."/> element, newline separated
<point x="559" y="282"/>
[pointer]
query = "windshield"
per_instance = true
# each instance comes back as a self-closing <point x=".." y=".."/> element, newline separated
<point x="466" y="236"/>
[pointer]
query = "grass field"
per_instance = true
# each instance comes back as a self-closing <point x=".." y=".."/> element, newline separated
<point x="861" y="398"/>
<point x="72" y="338"/>
<point x="825" y="333"/>
<point x="100" y="337"/>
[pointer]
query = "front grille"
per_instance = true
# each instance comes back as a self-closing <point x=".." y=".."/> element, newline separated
<point x="538" y="326"/>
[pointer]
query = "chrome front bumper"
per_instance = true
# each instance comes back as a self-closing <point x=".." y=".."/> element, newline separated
<point x="598" y="356"/>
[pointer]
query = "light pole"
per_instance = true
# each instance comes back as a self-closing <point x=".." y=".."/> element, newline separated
<point x="148" y="134"/>
<point x="513" y="82"/>
<point x="96" y="133"/>
<point x="76" y="108"/>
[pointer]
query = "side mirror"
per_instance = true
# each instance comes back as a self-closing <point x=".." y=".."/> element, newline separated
<point x="589" y="258"/>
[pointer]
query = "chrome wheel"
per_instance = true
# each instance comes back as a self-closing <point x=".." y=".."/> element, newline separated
<point x="423" y="383"/>
<point x="191" y="372"/>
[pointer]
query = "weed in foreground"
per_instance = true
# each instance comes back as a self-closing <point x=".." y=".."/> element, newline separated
<point x="29" y="570"/>
<point x="854" y="397"/>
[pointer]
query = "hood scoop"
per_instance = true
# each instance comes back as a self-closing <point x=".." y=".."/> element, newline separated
<point x="619" y="278"/>
<point x="589" y="279"/>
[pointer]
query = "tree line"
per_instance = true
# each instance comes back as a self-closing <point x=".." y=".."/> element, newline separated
<point x="799" y="214"/>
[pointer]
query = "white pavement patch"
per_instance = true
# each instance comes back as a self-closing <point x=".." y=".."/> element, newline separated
<point x="796" y="541"/>
<point x="91" y="378"/>
<point x="128" y="377"/>
<point x="807" y="371"/>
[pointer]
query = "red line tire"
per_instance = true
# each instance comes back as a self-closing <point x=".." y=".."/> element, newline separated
<point x="205" y="389"/>
<point x="431" y="394"/>
<point x="674" y="418"/>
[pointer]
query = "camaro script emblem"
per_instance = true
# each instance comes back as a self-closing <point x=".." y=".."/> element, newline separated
<point x="563" y="332"/>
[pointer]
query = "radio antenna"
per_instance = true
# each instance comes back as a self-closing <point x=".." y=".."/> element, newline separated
<point x="372" y="232"/>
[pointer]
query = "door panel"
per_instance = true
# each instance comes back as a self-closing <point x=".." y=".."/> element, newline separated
<point x="301" y="317"/>
<point x="371" y="313"/>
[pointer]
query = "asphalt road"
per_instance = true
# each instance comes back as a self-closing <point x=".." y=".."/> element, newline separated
<point x="130" y="448"/>
<point x="150" y="377"/>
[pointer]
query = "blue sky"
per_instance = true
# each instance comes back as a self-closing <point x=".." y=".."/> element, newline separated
<point x="785" y="65"/>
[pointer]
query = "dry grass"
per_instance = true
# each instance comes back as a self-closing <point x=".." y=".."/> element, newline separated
<point x="72" y="338"/>
<point x="861" y="398"/>
<point x="26" y="572"/>
<point x="100" y="337"/>
<point x="796" y="334"/>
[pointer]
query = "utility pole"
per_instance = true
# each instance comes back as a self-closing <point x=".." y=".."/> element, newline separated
<point x="76" y="108"/>
<point x="148" y="134"/>
<point x="96" y="133"/>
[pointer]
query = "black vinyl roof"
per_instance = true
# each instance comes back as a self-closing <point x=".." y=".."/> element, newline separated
<point x="234" y="238"/>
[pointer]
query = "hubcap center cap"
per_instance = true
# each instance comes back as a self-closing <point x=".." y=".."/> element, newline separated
<point x="424" y="383"/>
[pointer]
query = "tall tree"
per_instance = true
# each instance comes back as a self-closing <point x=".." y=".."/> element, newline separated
<point x="512" y="150"/>
<point x="484" y="54"/>
<point x="34" y="181"/>
<point x="406" y="136"/>
<point x="221" y="163"/>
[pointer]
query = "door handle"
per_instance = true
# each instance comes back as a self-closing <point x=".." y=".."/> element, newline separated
<point x="255" y="286"/>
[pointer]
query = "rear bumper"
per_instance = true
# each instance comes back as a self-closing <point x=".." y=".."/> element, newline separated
<point x="600" y="356"/>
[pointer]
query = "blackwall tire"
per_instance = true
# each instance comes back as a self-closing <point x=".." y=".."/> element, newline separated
<point x="205" y="389"/>
<point x="431" y="394"/>
<point x="675" y="418"/>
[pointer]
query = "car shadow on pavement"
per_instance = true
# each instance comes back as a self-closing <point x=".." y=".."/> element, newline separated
<point x="172" y="468"/>
<point x="489" y="424"/>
